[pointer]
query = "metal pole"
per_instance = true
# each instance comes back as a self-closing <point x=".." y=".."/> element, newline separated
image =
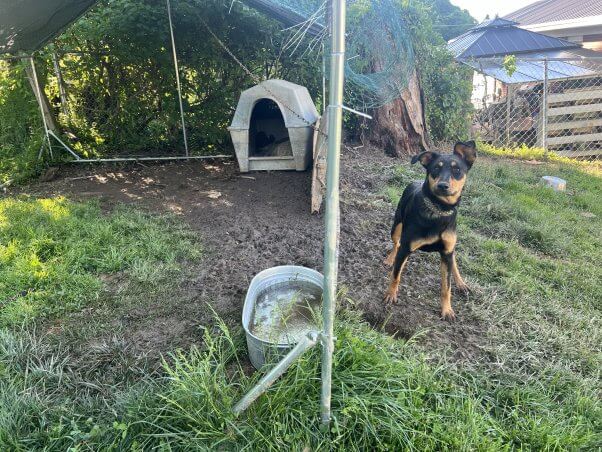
<point x="176" y="66"/>
<point x="69" y="150"/>
<point x="60" y="82"/>
<point x="335" y="115"/>
<point x="268" y="379"/>
<point x="323" y="79"/>
<point x="544" y="110"/>
<point x="509" y="93"/>
<point x="38" y="95"/>
<point x="150" y="159"/>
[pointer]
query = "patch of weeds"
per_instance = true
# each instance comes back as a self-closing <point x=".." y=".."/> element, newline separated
<point x="525" y="152"/>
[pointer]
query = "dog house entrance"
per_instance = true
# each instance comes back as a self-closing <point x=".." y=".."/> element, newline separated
<point x="268" y="135"/>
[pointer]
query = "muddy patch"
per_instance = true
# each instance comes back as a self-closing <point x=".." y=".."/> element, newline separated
<point x="251" y="222"/>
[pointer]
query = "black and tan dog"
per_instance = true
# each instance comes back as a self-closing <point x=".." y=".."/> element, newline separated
<point x="425" y="219"/>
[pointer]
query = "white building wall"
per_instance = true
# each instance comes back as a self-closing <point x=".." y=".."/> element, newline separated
<point x="483" y="90"/>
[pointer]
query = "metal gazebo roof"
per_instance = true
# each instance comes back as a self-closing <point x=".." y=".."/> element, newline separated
<point x="561" y="64"/>
<point x="26" y="25"/>
<point x="498" y="37"/>
<point x="484" y="47"/>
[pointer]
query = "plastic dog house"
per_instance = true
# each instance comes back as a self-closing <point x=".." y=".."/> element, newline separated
<point x="271" y="129"/>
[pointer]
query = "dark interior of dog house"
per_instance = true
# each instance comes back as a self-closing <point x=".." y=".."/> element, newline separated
<point x="268" y="135"/>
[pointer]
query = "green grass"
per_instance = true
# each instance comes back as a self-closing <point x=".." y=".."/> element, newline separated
<point x="54" y="254"/>
<point x="386" y="396"/>
<point x="532" y="254"/>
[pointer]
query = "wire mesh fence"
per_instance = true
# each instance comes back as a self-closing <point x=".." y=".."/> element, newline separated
<point x="555" y="105"/>
<point x="104" y="107"/>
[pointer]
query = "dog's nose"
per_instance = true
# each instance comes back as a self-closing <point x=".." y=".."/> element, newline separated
<point x="443" y="186"/>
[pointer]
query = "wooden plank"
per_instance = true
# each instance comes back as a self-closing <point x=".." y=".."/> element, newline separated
<point x="575" y="138"/>
<point x="580" y="153"/>
<point x="558" y="111"/>
<point x="583" y="124"/>
<point x="579" y="95"/>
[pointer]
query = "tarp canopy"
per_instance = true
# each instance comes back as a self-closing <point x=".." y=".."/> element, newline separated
<point x="26" y="25"/>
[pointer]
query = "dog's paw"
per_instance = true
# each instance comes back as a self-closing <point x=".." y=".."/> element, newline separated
<point x="463" y="288"/>
<point x="448" y="314"/>
<point x="390" y="296"/>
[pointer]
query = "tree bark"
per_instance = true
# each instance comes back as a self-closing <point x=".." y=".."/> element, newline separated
<point x="399" y="127"/>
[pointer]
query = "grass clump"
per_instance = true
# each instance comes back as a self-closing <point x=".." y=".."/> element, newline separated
<point x="386" y="396"/>
<point x="54" y="254"/>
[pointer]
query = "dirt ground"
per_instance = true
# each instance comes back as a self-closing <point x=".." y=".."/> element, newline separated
<point x="250" y="222"/>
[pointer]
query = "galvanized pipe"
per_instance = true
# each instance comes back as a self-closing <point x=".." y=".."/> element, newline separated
<point x="69" y="150"/>
<point x="142" y="159"/>
<point x="331" y="239"/>
<point x="544" y="110"/>
<point x="38" y="96"/>
<point x="268" y="379"/>
<point x="177" y="69"/>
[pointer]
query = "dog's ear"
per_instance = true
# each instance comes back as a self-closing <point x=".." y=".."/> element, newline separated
<point x="467" y="151"/>
<point x="425" y="158"/>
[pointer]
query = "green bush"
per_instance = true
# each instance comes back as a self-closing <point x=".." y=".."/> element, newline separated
<point x="20" y="125"/>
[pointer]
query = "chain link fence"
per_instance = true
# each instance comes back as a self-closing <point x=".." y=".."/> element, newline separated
<point x="554" y="104"/>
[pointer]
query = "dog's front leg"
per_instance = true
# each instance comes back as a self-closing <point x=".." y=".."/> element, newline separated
<point x="447" y="313"/>
<point x="460" y="284"/>
<point x="400" y="261"/>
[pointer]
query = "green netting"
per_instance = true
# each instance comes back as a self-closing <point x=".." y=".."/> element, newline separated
<point x="380" y="56"/>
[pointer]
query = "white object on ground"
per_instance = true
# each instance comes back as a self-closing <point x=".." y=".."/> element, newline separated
<point x="556" y="183"/>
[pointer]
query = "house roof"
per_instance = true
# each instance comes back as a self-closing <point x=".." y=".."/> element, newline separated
<point x="502" y="37"/>
<point x="545" y="11"/>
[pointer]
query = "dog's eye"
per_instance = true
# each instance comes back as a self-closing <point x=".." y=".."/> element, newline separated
<point x="456" y="170"/>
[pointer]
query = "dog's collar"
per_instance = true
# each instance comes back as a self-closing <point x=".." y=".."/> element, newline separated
<point x="435" y="206"/>
<point x="437" y="209"/>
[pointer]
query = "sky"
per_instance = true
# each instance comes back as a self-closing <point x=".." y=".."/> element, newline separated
<point x="480" y="8"/>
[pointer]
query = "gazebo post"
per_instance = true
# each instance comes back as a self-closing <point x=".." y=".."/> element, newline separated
<point x="178" y="84"/>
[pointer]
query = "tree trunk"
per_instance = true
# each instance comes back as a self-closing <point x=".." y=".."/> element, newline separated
<point x="42" y="99"/>
<point x="399" y="127"/>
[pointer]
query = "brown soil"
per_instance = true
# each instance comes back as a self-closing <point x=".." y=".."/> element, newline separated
<point x="251" y="222"/>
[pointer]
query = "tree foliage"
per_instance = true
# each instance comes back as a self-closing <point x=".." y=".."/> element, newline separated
<point x="120" y="86"/>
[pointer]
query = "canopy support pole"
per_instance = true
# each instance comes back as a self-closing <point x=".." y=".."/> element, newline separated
<point x="177" y="69"/>
<point x="304" y="344"/>
<point x="38" y="96"/>
<point x="331" y="239"/>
